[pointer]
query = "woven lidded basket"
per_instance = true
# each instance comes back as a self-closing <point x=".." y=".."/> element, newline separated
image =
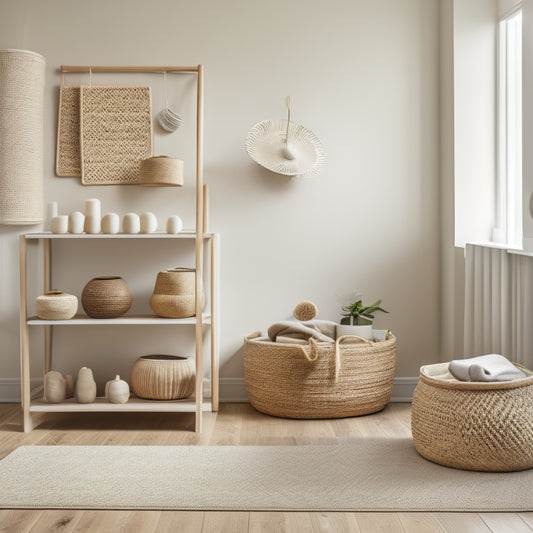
<point x="471" y="425"/>
<point x="319" y="380"/>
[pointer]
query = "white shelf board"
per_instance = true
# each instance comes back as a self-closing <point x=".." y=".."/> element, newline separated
<point x="132" y="405"/>
<point x="186" y="234"/>
<point x="126" y="320"/>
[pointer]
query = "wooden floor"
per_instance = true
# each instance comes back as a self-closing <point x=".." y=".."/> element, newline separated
<point x="235" y="424"/>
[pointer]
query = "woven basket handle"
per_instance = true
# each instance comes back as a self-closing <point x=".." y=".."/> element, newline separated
<point x="313" y="352"/>
<point x="253" y="335"/>
<point x="338" y="352"/>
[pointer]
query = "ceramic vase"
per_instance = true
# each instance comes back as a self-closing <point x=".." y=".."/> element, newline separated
<point x="131" y="223"/>
<point x="148" y="223"/>
<point x="76" y="222"/>
<point x="174" y="224"/>
<point x="85" y="386"/>
<point x="110" y="223"/>
<point x="106" y="297"/>
<point x="59" y="224"/>
<point x="55" y="387"/>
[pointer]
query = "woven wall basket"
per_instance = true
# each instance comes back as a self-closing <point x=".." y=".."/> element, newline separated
<point x="471" y="425"/>
<point x="163" y="377"/>
<point x="68" y="157"/>
<point x="21" y="137"/>
<point x="319" y="380"/>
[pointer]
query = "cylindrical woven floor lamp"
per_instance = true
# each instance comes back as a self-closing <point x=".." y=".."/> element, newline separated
<point x="21" y="137"/>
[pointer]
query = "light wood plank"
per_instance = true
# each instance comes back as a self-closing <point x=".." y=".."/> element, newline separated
<point x="186" y="521"/>
<point x="266" y="522"/>
<point x="225" y="522"/>
<point x="334" y="523"/>
<point x="421" y="523"/>
<point x="378" y="522"/>
<point x="56" y="520"/>
<point x="298" y="522"/>
<point x="505" y="523"/>
<point x="18" y="520"/>
<point x="527" y="518"/>
<point x="468" y="522"/>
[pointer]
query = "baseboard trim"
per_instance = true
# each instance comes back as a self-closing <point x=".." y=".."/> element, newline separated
<point x="232" y="390"/>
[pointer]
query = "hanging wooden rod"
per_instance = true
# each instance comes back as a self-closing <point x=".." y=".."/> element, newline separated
<point x="90" y="68"/>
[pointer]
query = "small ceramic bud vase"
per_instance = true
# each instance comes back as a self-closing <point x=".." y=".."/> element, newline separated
<point x="59" y="224"/>
<point x="131" y="223"/>
<point x="93" y="208"/>
<point x="92" y="224"/>
<point x="54" y="387"/>
<point x="85" y="386"/>
<point x="110" y="223"/>
<point x="174" y="224"/>
<point x="148" y="223"/>
<point x="76" y="222"/>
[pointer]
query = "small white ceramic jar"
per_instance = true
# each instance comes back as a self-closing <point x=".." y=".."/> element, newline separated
<point x="110" y="223"/>
<point x="59" y="224"/>
<point x="174" y="224"/>
<point x="131" y="223"/>
<point x="148" y="223"/>
<point x="76" y="222"/>
<point x="92" y="224"/>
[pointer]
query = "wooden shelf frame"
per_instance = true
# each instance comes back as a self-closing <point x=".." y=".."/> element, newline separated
<point x="199" y="234"/>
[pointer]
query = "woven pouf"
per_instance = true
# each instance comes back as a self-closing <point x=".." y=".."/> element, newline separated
<point x="163" y="377"/>
<point x="473" y="425"/>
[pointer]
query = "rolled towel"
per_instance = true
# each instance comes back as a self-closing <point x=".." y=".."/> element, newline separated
<point x="490" y="367"/>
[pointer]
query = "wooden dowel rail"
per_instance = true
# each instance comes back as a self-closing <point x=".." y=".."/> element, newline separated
<point x="90" y="68"/>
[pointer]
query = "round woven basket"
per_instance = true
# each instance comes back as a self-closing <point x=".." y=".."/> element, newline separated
<point x="163" y="377"/>
<point x="471" y="425"/>
<point x="106" y="297"/>
<point x="56" y="305"/>
<point x="174" y="293"/>
<point x="319" y="380"/>
<point x="161" y="171"/>
<point x="21" y="137"/>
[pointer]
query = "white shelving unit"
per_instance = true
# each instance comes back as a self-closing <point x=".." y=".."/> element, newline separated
<point x="201" y="238"/>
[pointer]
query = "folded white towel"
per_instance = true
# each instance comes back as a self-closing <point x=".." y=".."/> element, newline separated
<point x="490" y="367"/>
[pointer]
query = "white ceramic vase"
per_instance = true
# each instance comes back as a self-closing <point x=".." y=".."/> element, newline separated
<point x="110" y="223"/>
<point x="174" y="224"/>
<point x="76" y="222"/>
<point x="148" y="223"/>
<point x="360" y="331"/>
<point x="59" y="224"/>
<point x="85" y="386"/>
<point x="131" y="223"/>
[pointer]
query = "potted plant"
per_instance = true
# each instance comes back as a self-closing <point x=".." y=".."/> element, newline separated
<point x="358" y="318"/>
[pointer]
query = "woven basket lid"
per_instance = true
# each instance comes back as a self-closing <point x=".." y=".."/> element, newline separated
<point x="285" y="147"/>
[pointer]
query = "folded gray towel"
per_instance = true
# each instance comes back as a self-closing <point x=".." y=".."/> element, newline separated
<point x="490" y="367"/>
<point x="320" y="330"/>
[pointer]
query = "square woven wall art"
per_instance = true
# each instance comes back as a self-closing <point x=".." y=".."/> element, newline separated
<point x="115" y="133"/>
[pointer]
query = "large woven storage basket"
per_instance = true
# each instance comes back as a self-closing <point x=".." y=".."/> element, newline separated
<point x="472" y="425"/>
<point x="319" y="380"/>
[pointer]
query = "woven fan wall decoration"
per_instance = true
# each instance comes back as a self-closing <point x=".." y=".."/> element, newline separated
<point x="285" y="147"/>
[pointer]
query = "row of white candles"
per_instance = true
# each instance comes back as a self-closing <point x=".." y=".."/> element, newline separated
<point x="93" y="222"/>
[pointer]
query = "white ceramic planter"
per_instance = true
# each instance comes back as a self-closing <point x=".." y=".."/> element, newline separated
<point x="76" y="222"/>
<point x="360" y="331"/>
<point x="111" y="223"/>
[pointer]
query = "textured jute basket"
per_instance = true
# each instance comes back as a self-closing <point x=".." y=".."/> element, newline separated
<point x="319" y="380"/>
<point x="472" y="425"/>
<point x="56" y="305"/>
<point x="106" y="297"/>
<point x="161" y="171"/>
<point x="68" y="157"/>
<point x="22" y="76"/>
<point x="163" y="377"/>
<point x="174" y="293"/>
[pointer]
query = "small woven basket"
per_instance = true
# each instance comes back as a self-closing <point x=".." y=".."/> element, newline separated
<point x="161" y="171"/>
<point x="319" y="380"/>
<point x="174" y="293"/>
<point x="472" y="425"/>
<point x="106" y="297"/>
<point x="163" y="377"/>
<point x="56" y="305"/>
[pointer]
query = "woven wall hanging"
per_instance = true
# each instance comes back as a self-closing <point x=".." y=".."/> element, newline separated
<point x="68" y="158"/>
<point x="115" y="133"/>
<point x="21" y="137"/>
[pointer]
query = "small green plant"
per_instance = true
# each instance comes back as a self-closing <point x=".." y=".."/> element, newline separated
<point x="356" y="314"/>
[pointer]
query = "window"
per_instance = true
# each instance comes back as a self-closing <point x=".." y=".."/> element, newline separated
<point x="508" y="228"/>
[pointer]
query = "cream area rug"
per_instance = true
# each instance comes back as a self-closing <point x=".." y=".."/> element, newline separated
<point x="359" y="475"/>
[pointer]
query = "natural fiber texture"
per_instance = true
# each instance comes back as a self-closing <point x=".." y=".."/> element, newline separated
<point x="106" y="297"/>
<point x="21" y="137"/>
<point x="68" y="155"/>
<point x="358" y="475"/>
<point x="174" y="293"/>
<point x="116" y="133"/>
<point x="161" y="171"/>
<point x="56" y="305"/>
<point x="305" y="311"/>
<point x="472" y="425"/>
<point x="163" y="377"/>
<point x="321" y="380"/>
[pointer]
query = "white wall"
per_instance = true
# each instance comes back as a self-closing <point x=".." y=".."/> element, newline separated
<point x="527" y="120"/>
<point x="362" y="75"/>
